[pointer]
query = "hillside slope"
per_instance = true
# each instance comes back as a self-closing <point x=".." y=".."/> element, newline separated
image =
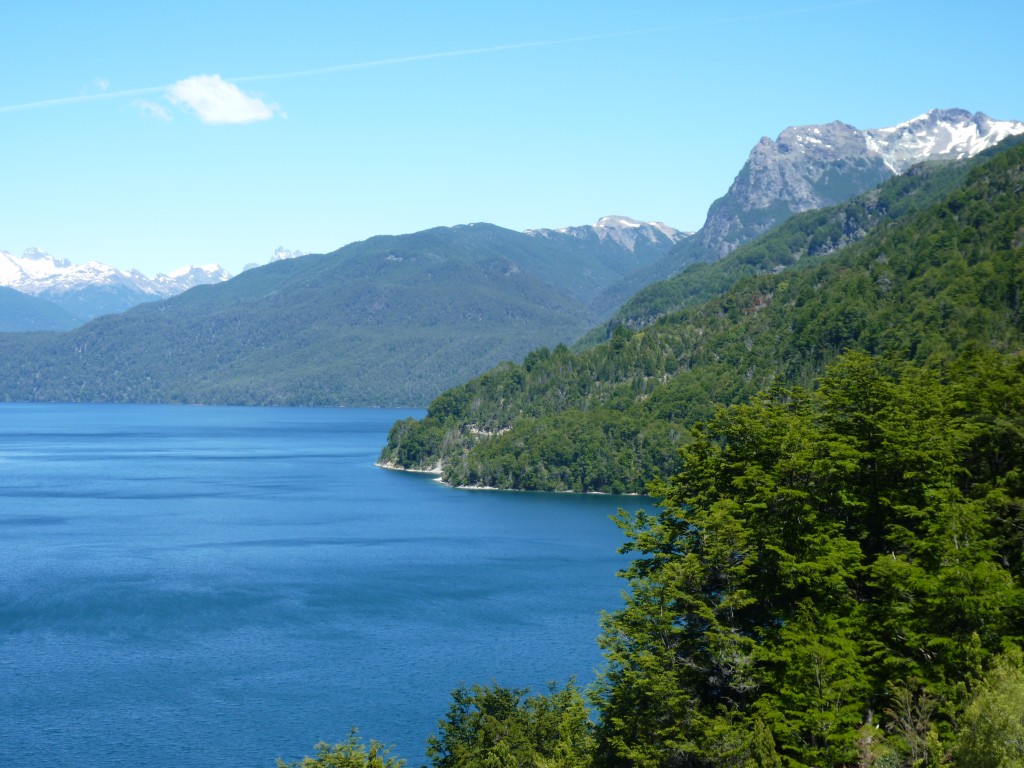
<point x="21" y="312"/>
<point x="809" y="167"/>
<point x="922" y="286"/>
<point x="388" y="321"/>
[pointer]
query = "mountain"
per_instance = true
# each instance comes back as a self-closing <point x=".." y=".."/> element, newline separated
<point x="833" y="229"/>
<point x="614" y="247"/>
<point x="393" y="320"/>
<point x="88" y="290"/>
<point x="814" y="166"/>
<point x="626" y="233"/>
<point x="936" y="272"/>
<point x="279" y="254"/>
<point x="615" y="243"/>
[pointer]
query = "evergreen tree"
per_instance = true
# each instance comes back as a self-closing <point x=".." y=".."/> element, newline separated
<point x="496" y="727"/>
<point x="823" y="562"/>
<point x="351" y="753"/>
<point x="992" y="728"/>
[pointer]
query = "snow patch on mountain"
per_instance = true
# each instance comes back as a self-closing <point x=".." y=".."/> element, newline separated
<point x="949" y="133"/>
<point x="280" y="254"/>
<point x="813" y="166"/>
<point x="37" y="273"/>
<point x="623" y="230"/>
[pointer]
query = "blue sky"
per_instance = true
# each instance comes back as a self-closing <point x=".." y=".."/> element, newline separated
<point x="157" y="135"/>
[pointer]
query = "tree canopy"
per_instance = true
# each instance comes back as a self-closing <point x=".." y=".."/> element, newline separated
<point x="922" y="286"/>
<point x="827" y="574"/>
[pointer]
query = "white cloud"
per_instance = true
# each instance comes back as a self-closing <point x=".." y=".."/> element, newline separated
<point x="152" y="109"/>
<point x="218" y="102"/>
<point x="103" y="84"/>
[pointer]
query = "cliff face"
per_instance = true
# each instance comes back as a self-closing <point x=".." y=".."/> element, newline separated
<point x="813" y="166"/>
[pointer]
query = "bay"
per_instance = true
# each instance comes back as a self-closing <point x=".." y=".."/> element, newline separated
<point x="183" y="586"/>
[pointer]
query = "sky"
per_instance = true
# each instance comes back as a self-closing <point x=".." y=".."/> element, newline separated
<point x="156" y="135"/>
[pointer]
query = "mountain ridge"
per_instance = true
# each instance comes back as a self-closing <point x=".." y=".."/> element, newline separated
<point x="93" y="288"/>
<point x="813" y="166"/>
<point x="392" y="320"/>
<point x="924" y="286"/>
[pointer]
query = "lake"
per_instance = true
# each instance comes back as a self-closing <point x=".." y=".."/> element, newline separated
<point x="187" y="586"/>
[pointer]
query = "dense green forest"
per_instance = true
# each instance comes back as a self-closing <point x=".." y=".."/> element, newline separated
<point x="833" y="578"/>
<point x="830" y="574"/>
<point x="833" y="571"/>
<point x="389" y="321"/>
<point x="939" y="268"/>
<point x="812" y="234"/>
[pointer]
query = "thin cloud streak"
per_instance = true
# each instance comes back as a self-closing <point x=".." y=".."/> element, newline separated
<point x="431" y="56"/>
<point x="309" y="72"/>
<point x="84" y="99"/>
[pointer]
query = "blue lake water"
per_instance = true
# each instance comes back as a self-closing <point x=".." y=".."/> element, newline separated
<point x="185" y="586"/>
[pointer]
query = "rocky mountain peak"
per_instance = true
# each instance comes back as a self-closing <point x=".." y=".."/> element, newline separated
<point x="624" y="223"/>
<point x="940" y="133"/>
<point x="35" y="254"/>
<point x="280" y="254"/>
<point x="813" y="166"/>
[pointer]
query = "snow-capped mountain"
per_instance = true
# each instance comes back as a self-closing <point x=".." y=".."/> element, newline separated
<point x="181" y="280"/>
<point x="948" y="133"/>
<point x="615" y="245"/>
<point x="92" y="289"/>
<point x="280" y="254"/>
<point x="813" y="166"/>
<point x="622" y="230"/>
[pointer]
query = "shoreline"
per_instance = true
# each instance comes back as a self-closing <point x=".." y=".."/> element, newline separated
<point x="395" y="468"/>
<point x="438" y="479"/>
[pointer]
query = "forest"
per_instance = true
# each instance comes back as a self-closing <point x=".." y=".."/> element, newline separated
<point x="919" y="268"/>
<point x="831" y="571"/>
<point x="833" y="578"/>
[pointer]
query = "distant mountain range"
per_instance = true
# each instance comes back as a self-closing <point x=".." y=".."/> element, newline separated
<point x="85" y="291"/>
<point x="394" y="320"/>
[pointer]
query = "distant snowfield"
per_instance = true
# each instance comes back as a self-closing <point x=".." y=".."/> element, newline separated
<point x="38" y="273"/>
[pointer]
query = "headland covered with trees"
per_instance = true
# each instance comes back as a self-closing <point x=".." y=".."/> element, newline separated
<point x="831" y="572"/>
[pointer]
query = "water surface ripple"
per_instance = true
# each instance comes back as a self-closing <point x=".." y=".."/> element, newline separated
<point x="184" y="586"/>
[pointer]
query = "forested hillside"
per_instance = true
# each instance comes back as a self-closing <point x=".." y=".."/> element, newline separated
<point x="834" y="578"/>
<point x="387" y="321"/>
<point x="922" y="285"/>
<point x="19" y="311"/>
<point x="830" y="577"/>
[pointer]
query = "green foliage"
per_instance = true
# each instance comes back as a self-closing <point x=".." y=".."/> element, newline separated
<point x="992" y="727"/>
<point x="939" y="272"/>
<point x="495" y="727"/>
<point x="21" y="312"/>
<point x="809" y="235"/>
<point x="351" y="753"/>
<point x="387" y="321"/>
<point x="822" y="562"/>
